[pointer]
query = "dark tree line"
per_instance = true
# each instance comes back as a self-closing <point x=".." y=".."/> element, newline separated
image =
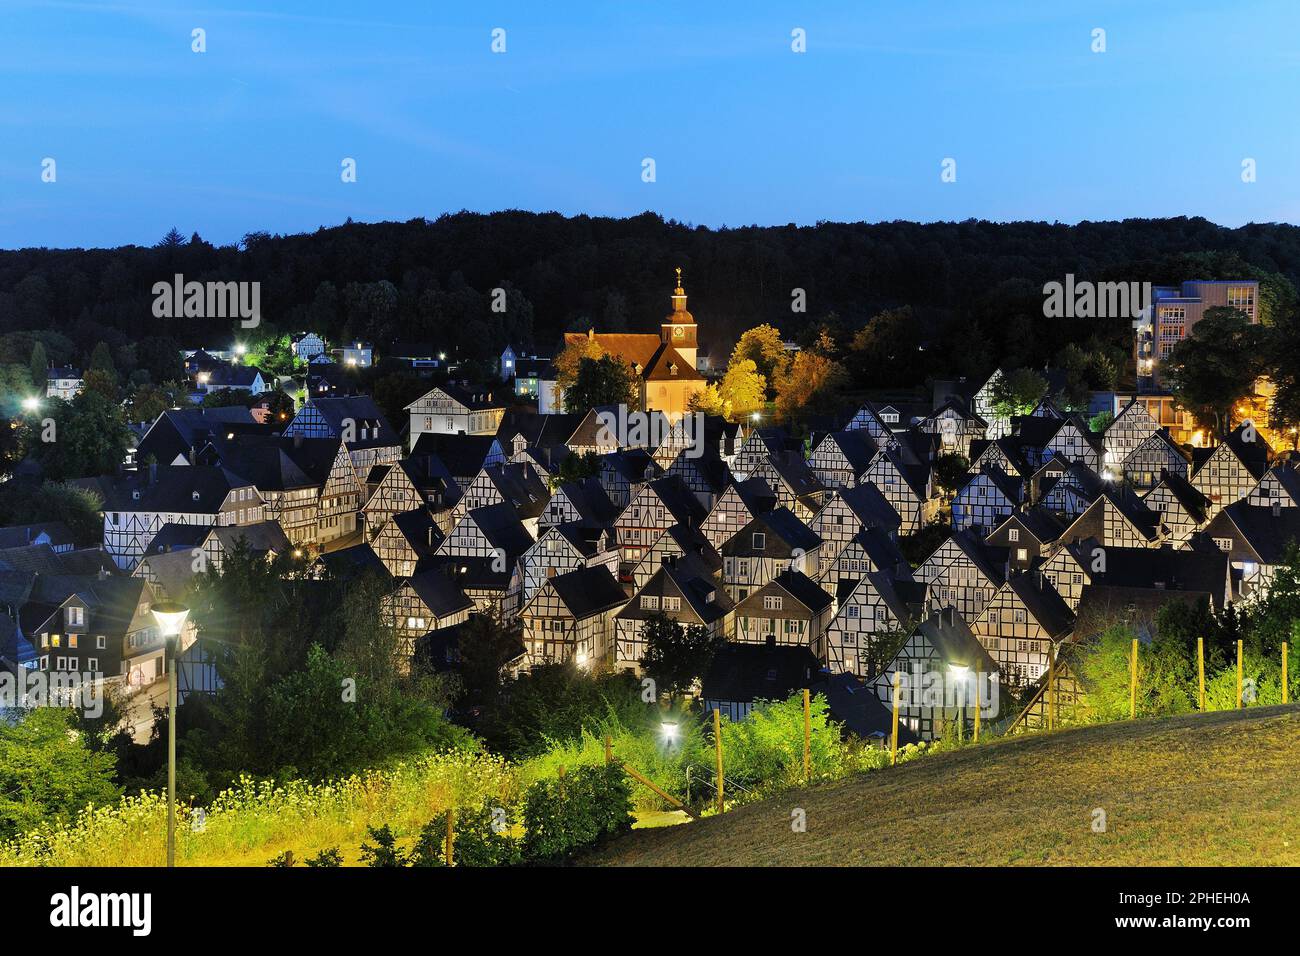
<point x="975" y="288"/>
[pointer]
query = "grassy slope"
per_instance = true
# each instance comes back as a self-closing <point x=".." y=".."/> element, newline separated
<point x="1210" y="789"/>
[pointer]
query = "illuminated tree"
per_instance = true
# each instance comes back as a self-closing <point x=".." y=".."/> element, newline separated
<point x="762" y="345"/>
<point x="811" y="385"/>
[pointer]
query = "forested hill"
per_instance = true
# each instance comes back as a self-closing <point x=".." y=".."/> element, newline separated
<point x="976" y="287"/>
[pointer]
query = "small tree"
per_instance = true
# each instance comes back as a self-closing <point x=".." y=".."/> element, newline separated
<point x="1017" y="392"/>
<point x="949" y="471"/>
<point x="675" y="655"/>
<point x="603" y="381"/>
<point x="1216" y="366"/>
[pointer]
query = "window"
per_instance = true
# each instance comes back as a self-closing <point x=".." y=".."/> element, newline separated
<point x="1022" y="554"/>
<point x="650" y="602"/>
<point x="852" y="610"/>
<point x="1223" y="544"/>
<point x="1018" y="616"/>
<point x="76" y="616"/>
<point x="92" y="664"/>
<point x="672" y="604"/>
<point x="1013" y="534"/>
<point x="760" y="541"/>
<point x="772" y="602"/>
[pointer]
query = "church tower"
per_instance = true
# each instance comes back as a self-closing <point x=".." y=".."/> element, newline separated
<point x="678" y="329"/>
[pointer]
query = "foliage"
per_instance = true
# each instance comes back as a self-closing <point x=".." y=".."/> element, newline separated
<point x="743" y="389"/>
<point x="1165" y="674"/>
<point x="385" y="852"/>
<point x="48" y="772"/>
<point x="810" y="384"/>
<point x="1216" y="366"/>
<point x="950" y="470"/>
<point x="1017" y="392"/>
<point x="329" y="857"/>
<point x="676" y="655"/>
<point x="1101" y="421"/>
<point x="574" y="812"/>
<point x="556" y="702"/>
<point x="763" y="346"/>
<point x="482" y="836"/>
<point x="764" y="752"/>
<point x="87" y="436"/>
<point x="487" y="644"/>
<point x="571" y="357"/>
<point x="27" y="502"/>
<point x="919" y="545"/>
<point x="254" y="819"/>
<point x="607" y="380"/>
<point x="576" y="468"/>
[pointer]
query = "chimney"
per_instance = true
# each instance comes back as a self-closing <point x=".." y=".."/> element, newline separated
<point x="297" y="439"/>
<point x="153" y="472"/>
<point x="193" y="455"/>
<point x="1277" y="509"/>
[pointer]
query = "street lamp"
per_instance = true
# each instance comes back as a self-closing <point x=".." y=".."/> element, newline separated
<point x="959" y="672"/>
<point x="171" y="616"/>
<point x="31" y="404"/>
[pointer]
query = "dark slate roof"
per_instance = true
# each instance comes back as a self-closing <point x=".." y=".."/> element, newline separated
<point x="1195" y="503"/>
<point x="1038" y="521"/>
<point x="1136" y="510"/>
<point x="948" y="633"/>
<point x="680" y="501"/>
<point x="1267" y="534"/>
<point x="781" y="527"/>
<point x="502" y="528"/>
<point x="273" y="462"/>
<point x="592" y="503"/>
<point x="756" y="494"/>
<point x="463" y="455"/>
<point x="471" y="573"/>
<point x="187" y="489"/>
<point x="537" y="430"/>
<point x="439" y="650"/>
<point x="363" y="412"/>
<point x="346" y="564"/>
<point x="20" y="535"/>
<point x="1253" y="454"/>
<point x="883" y="550"/>
<point x="802" y="588"/>
<point x="589" y="591"/>
<point x="871" y="507"/>
<point x="905" y="599"/>
<point x="1165" y="569"/>
<point x="182" y="430"/>
<point x="796" y="473"/>
<point x="439" y="593"/>
<point x="261" y="537"/>
<point x="859" y="709"/>
<point x="420" y="530"/>
<point x="706" y="597"/>
<point x="856" y="446"/>
<point x="521" y="486"/>
<point x="1044" y="603"/>
<point x="745" y="673"/>
<point x="477" y="398"/>
<point x="1009" y="445"/>
<point x="631" y="464"/>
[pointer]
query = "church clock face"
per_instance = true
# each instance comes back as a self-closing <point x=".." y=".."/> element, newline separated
<point x="679" y="332"/>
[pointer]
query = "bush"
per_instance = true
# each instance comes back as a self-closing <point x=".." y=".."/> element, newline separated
<point x="385" y="852"/>
<point x="326" y="858"/>
<point x="482" y="838"/>
<point x="573" y="812"/>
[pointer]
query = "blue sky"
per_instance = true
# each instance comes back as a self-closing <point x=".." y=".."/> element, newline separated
<point x="250" y="135"/>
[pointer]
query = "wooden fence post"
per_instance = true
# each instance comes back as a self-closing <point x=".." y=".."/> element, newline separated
<point x="1286" y="691"/>
<point x="1200" y="669"/>
<point x="1239" y="675"/>
<point x="977" y="707"/>
<point x="893" y="747"/>
<point x="451" y="836"/>
<point x="1133" y="683"/>
<point x="717" y="746"/>
<point x="807" y="736"/>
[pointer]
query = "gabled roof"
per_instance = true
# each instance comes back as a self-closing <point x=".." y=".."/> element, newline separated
<point x="588" y="591"/>
<point x="859" y="709"/>
<point x="187" y="489"/>
<point x="1044" y="603"/>
<point x="521" y="487"/>
<point x="21" y="535"/>
<point x="871" y="507"/>
<point x="856" y="446"/>
<point x="1038" y="521"/>
<point x="501" y="526"/>
<point x="589" y="499"/>
<point x="756" y="494"/>
<point x="958" y="407"/>
<point x="1009" y="445"/>
<point x="1193" y="502"/>
<point x="1267" y="534"/>
<point x="687" y="577"/>
<point x="537" y="430"/>
<point x="439" y="593"/>
<point x="630" y="464"/>
<point x="355" y="413"/>
<point x="462" y="455"/>
<point x="947" y="632"/>
<point x="782" y="527"/>
<point x="800" y="587"/>
<point x="419" y="529"/>
<point x="680" y="501"/>
<point x="745" y="673"/>
<point x="1253" y="454"/>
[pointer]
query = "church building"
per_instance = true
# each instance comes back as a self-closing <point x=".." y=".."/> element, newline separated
<point x="664" y="364"/>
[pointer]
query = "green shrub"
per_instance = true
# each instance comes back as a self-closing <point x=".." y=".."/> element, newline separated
<point x="326" y="858"/>
<point x="482" y="837"/>
<point x="573" y="812"/>
<point x="385" y="852"/>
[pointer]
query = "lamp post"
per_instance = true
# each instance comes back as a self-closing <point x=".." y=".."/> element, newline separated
<point x="959" y="672"/>
<point x="171" y="618"/>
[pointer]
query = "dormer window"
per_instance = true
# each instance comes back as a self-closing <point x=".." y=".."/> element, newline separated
<point x="194" y="496"/>
<point x="672" y="368"/>
<point x="760" y="541"/>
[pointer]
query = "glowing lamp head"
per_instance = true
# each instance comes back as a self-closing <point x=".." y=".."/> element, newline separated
<point x="31" y="404"/>
<point x="669" y="729"/>
<point x="170" y="616"/>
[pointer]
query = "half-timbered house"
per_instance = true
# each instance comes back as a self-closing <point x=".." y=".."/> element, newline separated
<point x="869" y="611"/>
<point x="572" y="618"/>
<point x="1119" y="518"/>
<point x="738" y="505"/>
<point x="679" y="541"/>
<point x="681" y="589"/>
<point x="1154" y="456"/>
<point x="456" y="410"/>
<point x="1228" y="471"/>
<point x="658" y="506"/>
<point x="847" y="513"/>
<point x="956" y="427"/>
<point x="841" y="457"/>
<point x="963" y="574"/>
<point x="357" y="422"/>
<point x="772" y="542"/>
<point x="563" y="548"/>
<point x="406" y="539"/>
<point x="1021" y="626"/>
<point x="408" y="484"/>
<point x="985" y="501"/>
<point x="789" y="609"/>
<point x="1183" y="510"/>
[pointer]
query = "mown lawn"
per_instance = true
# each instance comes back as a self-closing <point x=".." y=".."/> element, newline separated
<point x="1213" y="789"/>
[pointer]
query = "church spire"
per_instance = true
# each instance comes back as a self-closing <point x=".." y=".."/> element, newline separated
<point x="679" y="294"/>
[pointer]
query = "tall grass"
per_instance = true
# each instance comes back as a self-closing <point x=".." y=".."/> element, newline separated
<point x="256" y="820"/>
